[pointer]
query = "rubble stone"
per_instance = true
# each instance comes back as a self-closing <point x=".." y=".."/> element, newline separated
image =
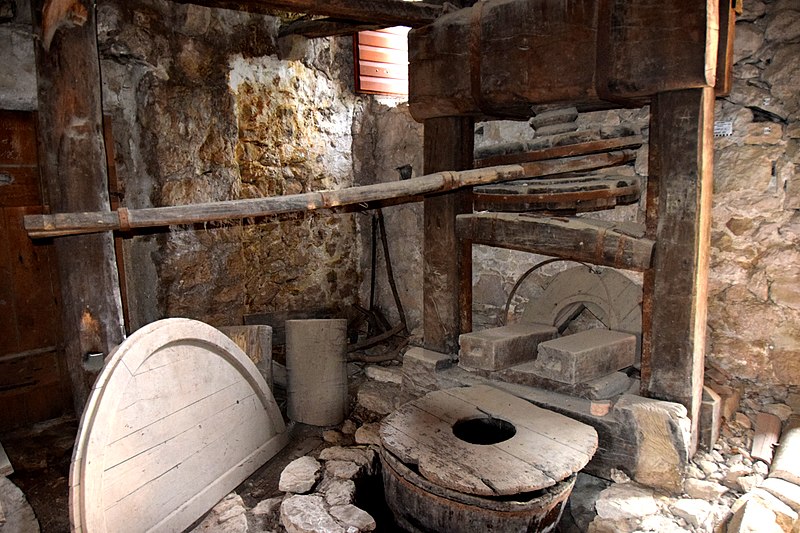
<point x="352" y="516"/>
<point x="363" y="457"/>
<point x="268" y="506"/>
<point x="704" y="490"/>
<point x="307" y="514"/>
<point x="696" y="512"/>
<point x="342" y="469"/>
<point x="384" y="374"/>
<point x="624" y="501"/>
<point x="228" y="516"/>
<point x="369" y="433"/>
<point x="300" y="475"/>
<point x="338" y="491"/>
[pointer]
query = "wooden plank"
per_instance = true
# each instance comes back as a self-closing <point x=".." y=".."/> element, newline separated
<point x="767" y="434"/>
<point x="256" y="342"/>
<point x="727" y="32"/>
<point x="645" y="48"/>
<point x="679" y="220"/>
<point x="73" y="165"/>
<point x="382" y="39"/>
<point x="35" y="290"/>
<point x="580" y="239"/>
<point x="385" y="12"/>
<point x="178" y="417"/>
<point x="545" y="447"/>
<point x="32" y="387"/>
<point x="9" y="331"/>
<point x="17" y="139"/>
<point x="448" y="145"/>
<point x="410" y="190"/>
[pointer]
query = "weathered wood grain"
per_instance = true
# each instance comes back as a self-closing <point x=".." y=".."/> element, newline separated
<point x="448" y="146"/>
<point x="546" y="448"/>
<point x="177" y="418"/>
<point x="767" y="433"/>
<point x="645" y="48"/>
<point x="581" y="239"/>
<point x="583" y="53"/>
<point x="385" y="12"/>
<point x="73" y="167"/>
<point x="679" y="220"/>
<point x="61" y="224"/>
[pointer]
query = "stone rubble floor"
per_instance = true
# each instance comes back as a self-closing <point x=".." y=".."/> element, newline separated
<point x="328" y="481"/>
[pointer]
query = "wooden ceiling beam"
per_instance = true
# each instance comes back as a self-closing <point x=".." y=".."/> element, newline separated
<point x="326" y="27"/>
<point x="384" y="12"/>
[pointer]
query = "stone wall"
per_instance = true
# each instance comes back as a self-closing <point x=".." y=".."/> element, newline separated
<point x="754" y="311"/>
<point x="18" y="74"/>
<point x="207" y="105"/>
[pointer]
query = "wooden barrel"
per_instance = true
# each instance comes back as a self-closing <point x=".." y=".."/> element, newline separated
<point x="420" y="506"/>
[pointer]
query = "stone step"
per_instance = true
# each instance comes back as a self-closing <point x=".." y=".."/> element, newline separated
<point x="585" y="356"/>
<point x="498" y="348"/>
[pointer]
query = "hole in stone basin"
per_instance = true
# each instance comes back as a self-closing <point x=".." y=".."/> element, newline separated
<point x="484" y="430"/>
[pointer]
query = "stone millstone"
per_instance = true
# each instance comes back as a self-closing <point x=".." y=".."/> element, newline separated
<point x="498" y="348"/>
<point x="585" y="356"/>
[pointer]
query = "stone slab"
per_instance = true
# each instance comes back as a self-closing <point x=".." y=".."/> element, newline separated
<point x="420" y="367"/>
<point x="499" y="348"/>
<point x="786" y="462"/>
<point x="788" y="493"/>
<point x="602" y="388"/>
<point x="586" y="355"/>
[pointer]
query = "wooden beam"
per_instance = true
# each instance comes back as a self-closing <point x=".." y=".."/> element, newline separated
<point x="570" y="150"/>
<point x="448" y="145"/>
<point x="727" y="33"/>
<point x="679" y="220"/>
<point x="326" y="27"/>
<point x="384" y="12"/>
<point x="581" y="239"/>
<point x="59" y="224"/>
<point x="73" y="165"/>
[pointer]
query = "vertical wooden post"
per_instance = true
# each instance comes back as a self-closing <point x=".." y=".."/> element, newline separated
<point x="448" y="146"/>
<point x="73" y="165"/>
<point x="679" y="219"/>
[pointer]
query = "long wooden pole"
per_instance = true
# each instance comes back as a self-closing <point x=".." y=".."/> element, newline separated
<point x="60" y="224"/>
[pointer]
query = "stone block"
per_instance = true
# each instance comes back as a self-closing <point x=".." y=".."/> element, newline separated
<point x="759" y="511"/>
<point x="586" y="355"/>
<point x="663" y="440"/>
<point x="420" y="367"/>
<point x="499" y="348"/>
<point x="788" y="493"/>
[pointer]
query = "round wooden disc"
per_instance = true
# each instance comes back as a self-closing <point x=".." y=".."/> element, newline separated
<point x="546" y="447"/>
<point x="178" y="417"/>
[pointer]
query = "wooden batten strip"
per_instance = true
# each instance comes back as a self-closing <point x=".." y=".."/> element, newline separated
<point x="60" y="224"/>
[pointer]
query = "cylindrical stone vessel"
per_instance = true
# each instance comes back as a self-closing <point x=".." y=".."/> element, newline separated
<point x="316" y="371"/>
